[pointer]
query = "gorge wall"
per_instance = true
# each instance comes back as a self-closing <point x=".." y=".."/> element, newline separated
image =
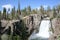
<point x="56" y="29"/>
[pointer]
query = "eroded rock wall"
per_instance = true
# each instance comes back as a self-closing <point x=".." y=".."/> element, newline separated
<point x="36" y="21"/>
<point x="56" y="29"/>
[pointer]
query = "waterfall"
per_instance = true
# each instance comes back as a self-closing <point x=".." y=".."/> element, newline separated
<point x="43" y="30"/>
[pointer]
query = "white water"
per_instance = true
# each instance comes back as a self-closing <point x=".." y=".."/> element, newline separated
<point x="43" y="30"/>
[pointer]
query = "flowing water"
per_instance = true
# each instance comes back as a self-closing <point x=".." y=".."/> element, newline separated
<point x="43" y="33"/>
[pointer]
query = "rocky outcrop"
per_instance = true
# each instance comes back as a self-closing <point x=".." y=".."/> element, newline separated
<point x="5" y="24"/>
<point x="36" y="18"/>
<point x="56" y="29"/>
<point x="30" y="23"/>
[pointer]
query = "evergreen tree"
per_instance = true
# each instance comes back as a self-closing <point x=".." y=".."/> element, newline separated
<point x="54" y="12"/>
<point x="13" y="13"/>
<point x="29" y="10"/>
<point x="34" y="11"/>
<point x="7" y="16"/>
<point x="18" y="14"/>
<point x="18" y="10"/>
<point x="58" y="8"/>
<point x="0" y="25"/>
<point x="4" y="13"/>
<point x="24" y="12"/>
<point x="42" y="10"/>
<point x="48" y="9"/>
<point x="0" y="15"/>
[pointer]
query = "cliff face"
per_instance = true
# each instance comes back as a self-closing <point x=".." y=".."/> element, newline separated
<point x="35" y="19"/>
<point x="56" y="29"/>
<point x="5" y="24"/>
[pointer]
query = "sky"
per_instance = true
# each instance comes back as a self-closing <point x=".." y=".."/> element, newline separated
<point x="24" y="3"/>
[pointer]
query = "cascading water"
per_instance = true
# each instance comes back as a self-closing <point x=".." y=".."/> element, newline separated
<point x="43" y="33"/>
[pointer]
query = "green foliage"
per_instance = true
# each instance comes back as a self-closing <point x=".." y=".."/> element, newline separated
<point x="58" y="37"/>
<point x="10" y="37"/>
<point x="58" y="8"/>
<point x="0" y="15"/>
<point x="4" y="13"/>
<point x="24" y="12"/>
<point x="34" y="12"/>
<point x="13" y="13"/>
<point x="54" y="12"/>
<point x="58" y="16"/>
<point x="48" y="9"/>
<point x="42" y="9"/>
<point x="23" y="30"/>
<point x="28" y="10"/>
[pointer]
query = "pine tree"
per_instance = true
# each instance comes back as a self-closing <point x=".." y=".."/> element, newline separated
<point x="24" y="12"/>
<point x="34" y="11"/>
<point x="54" y="12"/>
<point x="28" y="10"/>
<point x="0" y="15"/>
<point x="48" y="10"/>
<point x="7" y="16"/>
<point x="42" y="10"/>
<point x="0" y="25"/>
<point x="18" y="10"/>
<point x="58" y="8"/>
<point x="4" y="13"/>
<point x="13" y="13"/>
